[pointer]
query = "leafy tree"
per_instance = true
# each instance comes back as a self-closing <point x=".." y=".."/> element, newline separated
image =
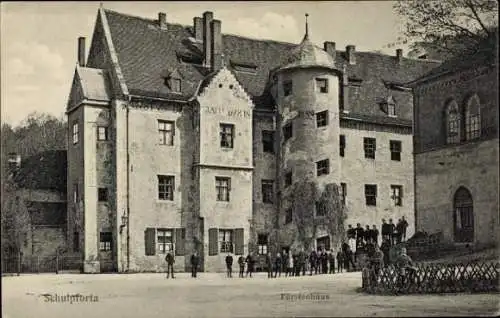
<point x="449" y="26"/>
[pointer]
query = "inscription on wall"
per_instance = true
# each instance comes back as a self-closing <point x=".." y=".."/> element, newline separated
<point x="230" y="112"/>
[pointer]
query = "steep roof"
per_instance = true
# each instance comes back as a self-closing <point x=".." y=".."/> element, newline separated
<point x="146" y="53"/>
<point x="306" y="54"/>
<point x="94" y="83"/>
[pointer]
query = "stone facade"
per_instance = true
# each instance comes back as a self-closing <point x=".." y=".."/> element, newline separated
<point x="444" y="169"/>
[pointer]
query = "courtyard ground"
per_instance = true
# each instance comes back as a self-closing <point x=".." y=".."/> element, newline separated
<point x="213" y="295"/>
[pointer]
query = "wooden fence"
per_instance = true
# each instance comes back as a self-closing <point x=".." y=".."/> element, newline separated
<point x="433" y="278"/>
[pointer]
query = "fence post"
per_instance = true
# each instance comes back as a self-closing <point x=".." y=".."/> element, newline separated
<point x="19" y="263"/>
<point x="57" y="262"/>
<point x="38" y="264"/>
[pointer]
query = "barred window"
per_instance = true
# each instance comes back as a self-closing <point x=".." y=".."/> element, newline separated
<point x="452" y="123"/>
<point x="395" y="146"/>
<point x="226" y="135"/>
<point x="102" y="133"/>
<point x="166" y="131"/>
<point x="262" y="243"/>
<point x="369" y="145"/>
<point x="371" y="194"/>
<point x="391" y="109"/>
<point x="166" y="187"/>
<point x="397" y="195"/>
<point x="75" y="132"/>
<point x="105" y="241"/>
<point x="222" y="187"/>
<point x="267" y="191"/>
<point x="322" y="167"/>
<point x="322" y="119"/>
<point x="472" y="119"/>
<point x="342" y="145"/>
<point x="343" y="189"/>
<point x="165" y="241"/>
<point x="175" y="85"/>
<point x="226" y="241"/>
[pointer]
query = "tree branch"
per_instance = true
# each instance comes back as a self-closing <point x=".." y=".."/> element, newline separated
<point x="470" y="5"/>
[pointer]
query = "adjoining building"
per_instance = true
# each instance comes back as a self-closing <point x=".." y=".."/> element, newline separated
<point x="183" y="138"/>
<point x="456" y="147"/>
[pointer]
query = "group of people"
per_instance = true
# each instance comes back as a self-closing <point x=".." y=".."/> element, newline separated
<point x="195" y="263"/>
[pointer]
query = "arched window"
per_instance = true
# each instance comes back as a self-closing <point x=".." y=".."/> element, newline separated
<point x="452" y="123"/>
<point x="472" y="118"/>
<point x="463" y="216"/>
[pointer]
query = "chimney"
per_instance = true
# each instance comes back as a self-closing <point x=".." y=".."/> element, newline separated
<point x="81" y="51"/>
<point x="399" y="55"/>
<point x="216" y="45"/>
<point x="349" y="50"/>
<point x="162" y="20"/>
<point x="198" y="28"/>
<point x="329" y="48"/>
<point x="207" y="37"/>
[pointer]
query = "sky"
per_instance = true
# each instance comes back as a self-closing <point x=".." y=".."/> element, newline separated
<point x="39" y="39"/>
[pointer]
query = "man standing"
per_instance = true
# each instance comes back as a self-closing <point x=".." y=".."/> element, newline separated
<point x="302" y="261"/>
<point x="249" y="261"/>
<point x="385" y="247"/>
<point x="331" y="260"/>
<point x="360" y="233"/>
<point x="324" y="262"/>
<point x="368" y="234"/>
<point x="195" y="260"/>
<point x="170" y="264"/>
<point x="269" y="265"/>
<point x="385" y="230"/>
<point x="241" y="262"/>
<point x="392" y="230"/>
<point x="229" y="265"/>
<point x="277" y="265"/>
<point x="351" y="237"/>
<point x="377" y="262"/>
<point x="312" y="262"/>
<point x="399" y="231"/>
<point x="404" y="226"/>
<point x="374" y="234"/>
<point x="340" y="261"/>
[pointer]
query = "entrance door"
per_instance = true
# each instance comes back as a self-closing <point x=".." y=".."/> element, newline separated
<point x="323" y="243"/>
<point x="463" y="216"/>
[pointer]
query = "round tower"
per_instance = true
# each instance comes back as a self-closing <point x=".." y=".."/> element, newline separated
<point x="306" y="90"/>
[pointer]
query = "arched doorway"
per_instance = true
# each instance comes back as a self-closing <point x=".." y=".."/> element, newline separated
<point x="463" y="216"/>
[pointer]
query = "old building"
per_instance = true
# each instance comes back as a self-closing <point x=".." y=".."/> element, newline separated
<point x="183" y="138"/>
<point x="456" y="147"/>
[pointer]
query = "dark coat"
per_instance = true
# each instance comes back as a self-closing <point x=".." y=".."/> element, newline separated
<point x="229" y="260"/>
<point x="170" y="259"/>
<point x="195" y="260"/>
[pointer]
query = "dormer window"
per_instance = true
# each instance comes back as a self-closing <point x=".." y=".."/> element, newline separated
<point x="174" y="84"/>
<point x="388" y="106"/>
<point x="244" y="67"/>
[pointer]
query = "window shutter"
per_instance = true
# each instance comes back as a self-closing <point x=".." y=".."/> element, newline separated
<point x="149" y="241"/>
<point x="180" y="238"/>
<point x="213" y="246"/>
<point x="239" y="242"/>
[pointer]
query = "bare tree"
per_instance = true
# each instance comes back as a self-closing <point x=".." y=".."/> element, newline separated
<point x="449" y="25"/>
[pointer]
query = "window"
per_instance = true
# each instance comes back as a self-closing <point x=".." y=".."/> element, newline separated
<point x="226" y="241"/>
<point x="166" y="187"/>
<point x="343" y="189"/>
<point x="76" y="241"/>
<point x="320" y="209"/>
<point x="322" y="85"/>
<point x="288" y="216"/>
<point x="102" y="133"/>
<point x="452" y="123"/>
<point x="175" y="85"/>
<point x="288" y="131"/>
<point x="106" y="238"/>
<point x="287" y="88"/>
<point x="322" y="119"/>
<point x="166" y="131"/>
<point x="165" y="241"/>
<point x="369" y="144"/>
<point x="226" y="135"/>
<point x="262" y="243"/>
<point x="342" y="145"/>
<point x="472" y="119"/>
<point x="268" y="141"/>
<point x="391" y="109"/>
<point x="222" y="187"/>
<point x="397" y="195"/>
<point x="75" y="133"/>
<point x="102" y="194"/>
<point x="267" y="191"/>
<point x="322" y="167"/>
<point x="288" y="179"/>
<point x="395" y="146"/>
<point x="76" y="194"/>
<point x="371" y="194"/>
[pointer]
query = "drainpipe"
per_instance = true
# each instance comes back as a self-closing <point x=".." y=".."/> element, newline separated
<point x="128" y="181"/>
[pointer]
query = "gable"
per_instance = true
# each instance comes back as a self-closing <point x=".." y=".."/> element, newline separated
<point x="224" y="86"/>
